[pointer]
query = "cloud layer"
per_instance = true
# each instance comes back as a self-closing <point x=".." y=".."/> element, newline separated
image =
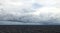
<point x="31" y="12"/>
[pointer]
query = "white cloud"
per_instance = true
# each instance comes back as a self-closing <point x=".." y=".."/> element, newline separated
<point x="23" y="10"/>
<point x="15" y="6"/>
<point x="49" y="11"/>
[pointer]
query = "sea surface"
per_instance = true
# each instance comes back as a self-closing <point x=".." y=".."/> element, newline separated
<point x="29" y="28"/>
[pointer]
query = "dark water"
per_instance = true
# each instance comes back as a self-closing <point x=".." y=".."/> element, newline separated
<point x="29" y="28"/>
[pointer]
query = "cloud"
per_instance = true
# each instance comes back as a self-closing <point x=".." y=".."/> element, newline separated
<point x="30" y="12"/>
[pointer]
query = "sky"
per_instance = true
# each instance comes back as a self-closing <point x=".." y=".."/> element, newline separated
<point x="29" y="12"/>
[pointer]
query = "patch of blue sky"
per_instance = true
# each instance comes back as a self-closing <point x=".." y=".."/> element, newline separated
<point x="36" y="6"/>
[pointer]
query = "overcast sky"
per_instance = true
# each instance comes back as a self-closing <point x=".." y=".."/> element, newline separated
<point x="30" y="12"/>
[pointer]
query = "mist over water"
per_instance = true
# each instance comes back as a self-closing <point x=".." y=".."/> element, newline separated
<point x="30" y="12"/>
